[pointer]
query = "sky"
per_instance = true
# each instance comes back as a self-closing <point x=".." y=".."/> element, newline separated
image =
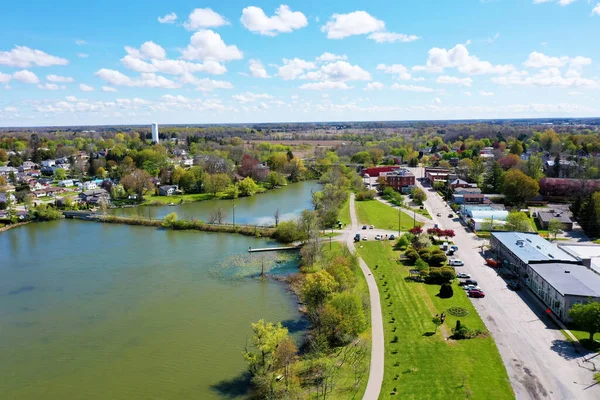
<point x="71" y="62"/>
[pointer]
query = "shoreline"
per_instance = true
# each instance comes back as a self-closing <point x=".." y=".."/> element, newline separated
<point x="11" y="226"/>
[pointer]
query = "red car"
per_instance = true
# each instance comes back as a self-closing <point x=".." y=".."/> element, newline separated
<point x="476" y="293"/>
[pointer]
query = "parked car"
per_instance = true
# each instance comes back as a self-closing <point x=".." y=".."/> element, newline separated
<point x="450" y="215"/>
<point x="450" y="253"/>
<point x="357" y="237"/>
<point x="463" y="275"/>
<point x="471" y="287"/>
<point x="371" y="227"/>
<point x="364" y="227"/>
<point x="455" y="262"/>
<point x="392" y="237"/>
<point x="476" y="293"/>
<point x="470" y="282"/>
<point x="365" y="237"/>
<point x="454" y="248"/>
<point x="513" y="284"/>
<point x="439" y="214"/>
<point x="377" y="237"/>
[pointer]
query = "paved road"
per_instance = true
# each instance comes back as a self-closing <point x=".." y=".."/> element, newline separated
<point x="541" y="364"/>
<point x="377" y="340"/>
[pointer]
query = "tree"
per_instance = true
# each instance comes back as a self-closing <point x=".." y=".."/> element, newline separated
<point x="494" y="179"/>
<point x="248" y="187"/>
<point x="586" y="317"/>
<point x="518" y="187"/>
<point x="138" y="182"/>
<point x="3" y="156"/>
<point x="554" y="227"/>
<point x="286" y="355"/>
<point x="446" y="291"/>
<point x="362" y="157"/>
<point x="535" y="167"/>
<point x="275" y="179"/>
<point x="317" y="288"/>
<point x="60" y="174"/>
<point x="3" y="181"/>
<point x="101" y="172"/>
<point x="516" y="148"/>
<point x="343" y="317"/>
<point x="216" y="183"/>
<point x="419" y="195"/>
<point x="266" y="338"/>
<point x="277" y="161"/>
<point x="339" y="269"/>
<point x="287" y="232"/>
<point x="169" y="220"/>
<point x="217" y="216"/>
<point x="518" y="221"/>
<point x="417" y="230"/>
<point x="277" y="215"/>
<point x="437" y="321"/>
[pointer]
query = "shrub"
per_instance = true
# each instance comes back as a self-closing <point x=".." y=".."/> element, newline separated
<point x="365" y="195"/>
<point x="403" y="241"/>
<point x="440" y="275"/>
<point x="412" y="255"/>
<point x="446" y="291"/>
<point x="287" y="232"/>
<point x="457" y="311"/>
<point x="421" y="265"/>
<point x="437" y="258"/>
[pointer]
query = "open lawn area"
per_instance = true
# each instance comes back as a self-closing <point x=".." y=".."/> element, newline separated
<point x="187" y="198"/>
<point x="584" y="339"/>
<point x="376" y="213"/>
<point x="344" y="216"/>
<point x="420" y="363"/>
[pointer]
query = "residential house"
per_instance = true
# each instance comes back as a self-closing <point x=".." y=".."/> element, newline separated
<point x="5" y="197"/>
<point x="89" y="185"/>
<point x="459" y="183"/>
<point x="467" y="196"/>
<point x="260" y="172"/>
<point x="5" y="171"/>
<point x="187" y="162"/>
<point x="66" y="183"/>
<point x="48" y="163"/>
<point x="545" y="216"/>
<point x="35" y="185"/>
<point x="94" y="196"/>
<point x="167" y="190"/>
<point x="565" y="169"/>
<point x="27" y="166"/>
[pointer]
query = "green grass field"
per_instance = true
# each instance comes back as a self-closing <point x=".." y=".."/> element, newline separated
<point x="423" y="364"/>
<point x="187" y="198"/>
<point x="382" y="216"/>
<point x="344" y="216"/>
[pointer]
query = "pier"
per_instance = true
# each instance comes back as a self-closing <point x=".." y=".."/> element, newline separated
<point x="257" y="250"/>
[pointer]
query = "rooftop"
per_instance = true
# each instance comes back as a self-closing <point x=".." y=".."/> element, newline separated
<point x="531" y="247"/>
<point x="548" y="215"/>
<point x="569" y="279"/>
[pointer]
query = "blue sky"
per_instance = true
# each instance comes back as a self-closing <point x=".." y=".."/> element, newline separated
<point x="134" y="62"/>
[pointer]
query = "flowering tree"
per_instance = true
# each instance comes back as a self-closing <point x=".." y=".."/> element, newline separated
<point x="417" y="230"/>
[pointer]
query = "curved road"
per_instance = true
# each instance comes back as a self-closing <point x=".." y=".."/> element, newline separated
<point x="377" y="341"/>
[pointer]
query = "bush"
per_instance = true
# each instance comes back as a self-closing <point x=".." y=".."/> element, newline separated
<point x="412" y="255"/>
<point x="457" y="311"/>
<point x="365" y="195"/>
<point x="421" y="265"/>
<point x="437" y="258"/>
<point x="446" y="291"/>
<point x="287" y="232"/>
<point x="440" y="275"/>
<point x="403" y="241"/>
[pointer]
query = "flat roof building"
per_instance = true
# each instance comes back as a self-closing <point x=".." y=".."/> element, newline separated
<point x="588" y="254"/>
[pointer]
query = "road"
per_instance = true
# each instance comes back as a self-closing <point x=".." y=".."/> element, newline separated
<point x="377" y="340"/>
<point x="540" y="362"/>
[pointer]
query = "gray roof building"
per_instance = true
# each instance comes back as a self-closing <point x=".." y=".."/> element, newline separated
<point x="530" y="247"/>
<point x="569" y="279"/>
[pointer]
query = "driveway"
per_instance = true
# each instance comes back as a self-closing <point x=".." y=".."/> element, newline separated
<point x="540" y="362"/>
<point x="377" y="340"/>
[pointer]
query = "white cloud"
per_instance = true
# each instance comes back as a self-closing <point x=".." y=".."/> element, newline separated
<point x="257" y="69"/>
<point x="147" y="50"/>
<point x="71" y="98"/>
<point x="340" y="26"/>
<point x="468" y="93"/>
<point x="172" y="67"/>
<point x="412" y="88"/>
<point x="437" y="100"/>
<point x="10" y="109"/>
<point x="328" y="57"/>
<point x="169" y="18"/>
<point x="22" y="56"/>
<point x="326" y="85"/>
<point x="51" y="86"/>
<point x="109" y="89"/>
<point x="204" y="18"/>
<point x="82" y="55"/>
<point x="292" y="69"/>
<point x="486" y="94"/>
<point x="5" y="78"/>
<point x="550" y="77"/>
<point x="206" y="44"/>
<point x="458" y="57"/>
<point x="453" y="80"/>
<point x="285" y="20"/>
<point x="249" y="97"/>
<point x="390" y="37"/>
<point x="540" y="60"/>
<point x="25" y="76"/>
<point x="150" y="80"/>
<point x="58" y="78"/>
<point x="374" y="86"/>
<point x="399" y="70"/>
<point x="205" y="84"/>
<point x="339" y="71"/>
<point x="80" y="42"/>
<point x="596" y="10"/>
<point x="561" y="2"/>
<point x="85" y="88"/>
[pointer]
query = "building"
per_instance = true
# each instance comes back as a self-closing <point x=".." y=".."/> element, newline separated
<point x="544" y="217"/>
<point x="48" y="163"/>
<point x="66" y="183"/>
<point x="436" y="174"/>
<point x="459" y="183"/>
<point x="5" y="197"/>
<point x="486" y="219"/>
<point x="94" y="196"/>
<point x="518" y="249"/>
<point x="89" y="185"/>
<point x="155" y="138"/>
<point x="562" y="285"/>
<point x="588" y="254"/>
<point x="401" y="180"/>
<point x="167" y="190"/>
<point x="374" y="172"/>
<point x="468" y="196"/>
<point x="7" y="170"/>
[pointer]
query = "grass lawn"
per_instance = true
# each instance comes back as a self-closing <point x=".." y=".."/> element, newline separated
<point x="584" y="339"/>
<point x="381" y="215"/>
<point x="422" y="364"/>
<point x="344" y="216"/>
<point x="187" y="198"/>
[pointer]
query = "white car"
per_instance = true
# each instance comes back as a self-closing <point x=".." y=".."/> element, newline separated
<point x="455" y="262"/>
<point x="471" y="287"/>
<point x="378" y="237"/>
<point x="364" y="238"/>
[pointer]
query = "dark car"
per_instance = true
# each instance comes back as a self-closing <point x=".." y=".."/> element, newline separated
<point x="450" y="215"/>
<point x="476" y="293"/>
<point x="364" y="227"/>
<point x="513" y="285"/>
<point x="467" y="282"/>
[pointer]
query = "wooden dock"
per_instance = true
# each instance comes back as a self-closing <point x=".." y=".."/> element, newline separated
<point x="251" y="250"/>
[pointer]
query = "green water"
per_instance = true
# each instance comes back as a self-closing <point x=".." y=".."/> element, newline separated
<point x="92" y="311"/>
<point x="258" y="209"/>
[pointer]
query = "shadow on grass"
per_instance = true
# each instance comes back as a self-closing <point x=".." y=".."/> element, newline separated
<point x="429" y="334"/>
<point x="237" y="387"/>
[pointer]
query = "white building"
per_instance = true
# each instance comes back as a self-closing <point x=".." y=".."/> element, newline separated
<point x="90" y="185"/>
<point x="155" y="132"/>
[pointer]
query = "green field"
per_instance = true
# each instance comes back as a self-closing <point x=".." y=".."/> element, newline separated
<point x="187" y="198"/>
<point x="423" y="364"/>
<point x="382" y="216"/>
<point x="344" y="216"/>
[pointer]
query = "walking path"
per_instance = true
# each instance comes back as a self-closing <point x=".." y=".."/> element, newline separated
<point x="377" y="340"/>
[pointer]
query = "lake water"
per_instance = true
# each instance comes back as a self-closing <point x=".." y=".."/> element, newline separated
<point x="258" y="209"/>
<point x="93" y="311"/>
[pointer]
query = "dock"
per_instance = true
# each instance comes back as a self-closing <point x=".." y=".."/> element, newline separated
<point x="257" y="250"/>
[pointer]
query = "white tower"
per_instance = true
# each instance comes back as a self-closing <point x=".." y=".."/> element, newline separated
<point x="155" y="132"/>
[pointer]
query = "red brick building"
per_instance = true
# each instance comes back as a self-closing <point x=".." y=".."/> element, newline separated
<point x="376" y="171"/>
<point x="399" y="179"/>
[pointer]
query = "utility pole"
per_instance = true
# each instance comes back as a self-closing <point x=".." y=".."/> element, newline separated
<point x="399" y="220"/>
<point x="414" y="219"/>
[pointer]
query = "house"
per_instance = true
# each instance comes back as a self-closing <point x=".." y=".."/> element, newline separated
<point x="89" y="185"/>
<point x="436" y="174"/>
<point x="187" y="162"/>
<point x="5" y="197"/>
<point x="167" y="190"/>
<point x="94" y="196"/>
<point x="485" y="220"/>
<point x="468" y="196"/>
<point x="45" y="181"/>
<point x="48" y="163"/>
<point x="401" y="180"/>
<point x="544" y="217"/>
<point x="458" y="183"/>
<point x="562" y="285"/>
<point x="565" y="168"/>
<point x="66" y="183"/>
<point x="5" y="171"/>
<point x="26" y="166"/>
<point x="36" y="186"/>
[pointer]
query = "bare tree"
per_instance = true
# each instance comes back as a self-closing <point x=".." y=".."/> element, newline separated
<point x="276" y="215"/>
<point x="217" y="216"/>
